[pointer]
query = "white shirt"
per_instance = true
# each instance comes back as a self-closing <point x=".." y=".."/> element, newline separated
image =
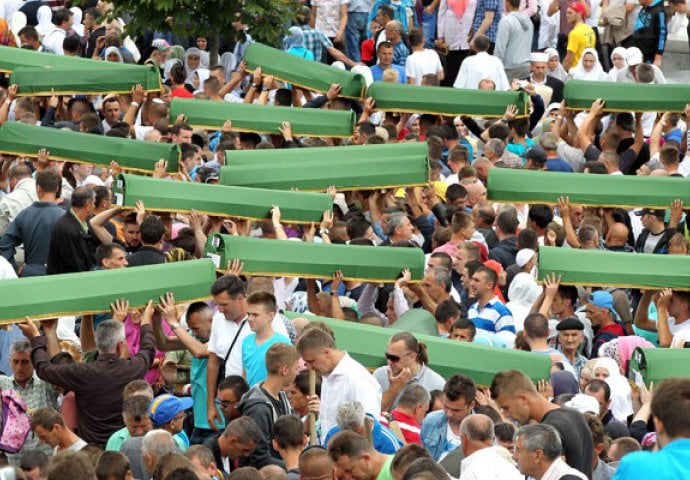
<point x="455" y="30"/>
<point x="422" y="63"/>
<point x="480" y="67"/>
<point x="223" y="333"/>
<point x="349" y="381"/>
<point x="490" y="463"/>
<point x="53" y="41"/>
<point x="23" y="195"/>
<point x="6" y="270"/>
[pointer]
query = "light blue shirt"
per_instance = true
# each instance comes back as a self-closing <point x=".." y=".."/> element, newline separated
<point x="254" y="357"/>
<point x="670" y="463"/>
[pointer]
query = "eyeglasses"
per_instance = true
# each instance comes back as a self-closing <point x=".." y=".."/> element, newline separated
<point x="396" y="358"/>
<point x="226" y="403"/>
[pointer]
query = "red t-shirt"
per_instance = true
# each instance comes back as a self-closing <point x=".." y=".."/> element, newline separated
<point x="181" y="92"/>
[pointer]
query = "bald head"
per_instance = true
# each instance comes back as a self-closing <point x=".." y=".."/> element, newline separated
<point x="482" y="166"/>
<point x="659" y="172"/>
<point x="478" y="433"/>
<point x="394" y="31"/>
<point x="476" y="194"/>
<point x="617" y="235"/>
<point x="316" y="463"/>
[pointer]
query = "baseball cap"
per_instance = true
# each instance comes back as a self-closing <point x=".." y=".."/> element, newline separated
<point x="659" y="213"/>
<point x="536" y="153"/>
<point x="524" y="256"/>
<point x="633" y="56"/>
<point x="164" y="408"/>
<point x="602" y="299"/>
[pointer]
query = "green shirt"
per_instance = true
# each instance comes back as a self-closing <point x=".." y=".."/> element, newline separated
<point x="385" y="473"/>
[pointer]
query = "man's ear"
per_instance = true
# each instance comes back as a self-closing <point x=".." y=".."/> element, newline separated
<point x="275" y="445"/>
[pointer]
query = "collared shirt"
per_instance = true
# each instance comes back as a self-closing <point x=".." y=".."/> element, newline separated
<point x="349" y="381"/>
<point x="489" y="464"/>
<point x="385" y="441"/>
<point x="23" y="195"/>
<point x="493" y="316"/>
<point x="316" y="41"/>
<point x="425" y="377"/>
<point x="559" y="469"/>
<point x="580" y="361"/>
<point x="84" y="225"/>
<point x="400" y="53"/>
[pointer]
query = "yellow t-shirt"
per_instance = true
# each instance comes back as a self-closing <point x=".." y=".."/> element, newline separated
<point x="579" y="38"/>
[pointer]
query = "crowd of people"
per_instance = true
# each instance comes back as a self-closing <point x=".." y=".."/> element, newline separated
<point x="245" y="386"/>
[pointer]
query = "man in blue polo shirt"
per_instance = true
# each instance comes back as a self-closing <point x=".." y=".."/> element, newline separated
<point x="384" y="53"/>
<point x="488" y="313"/>
<point x="670" y="406"/>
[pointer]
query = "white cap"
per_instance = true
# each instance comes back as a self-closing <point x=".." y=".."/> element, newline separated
<point x="553" y="106"/>
<point x="633" y="56"/>
<point x="539" y="57"/>
<point x="584" y="404"/>
<point x="524" y="256"/>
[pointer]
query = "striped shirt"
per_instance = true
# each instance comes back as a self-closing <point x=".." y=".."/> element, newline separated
<point x="493" y="317"/>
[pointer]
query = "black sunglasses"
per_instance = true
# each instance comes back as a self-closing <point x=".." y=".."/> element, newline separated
<point x="395" y="358"/>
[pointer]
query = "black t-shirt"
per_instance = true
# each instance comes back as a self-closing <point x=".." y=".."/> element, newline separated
<point x="640" y="159"/>
<point x="576" y="437"/>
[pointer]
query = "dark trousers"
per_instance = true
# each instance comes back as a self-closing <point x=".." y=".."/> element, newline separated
<point x="453" y="61"/>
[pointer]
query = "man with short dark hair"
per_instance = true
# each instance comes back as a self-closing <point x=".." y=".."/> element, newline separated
<point x="137" y="422"/>
<point x="354" y="455"/>
<point x="112" y="112"/>
<point x="505" y="250"/>
<point x="152" y="232"/>
<point x="32" y="226"/>
<point x="441" y="429"/>
<point x="235" y="444"/>
<point x="72" y="245"/>
<point x="488" y="312"/>
<point x="316" y="463"/>
<point x="385" y="53"/>
<point x="49" y="426"/>
<point x="481" y="66"/>
<point x="422" y="61"/>
<point x="517" y="397"/>
<point x="601" y="391"/>
<point x="670" y="405"/>
<point x="289" y="440"/>
<point x="63" y="21"/>
<point x="34" y="464"/>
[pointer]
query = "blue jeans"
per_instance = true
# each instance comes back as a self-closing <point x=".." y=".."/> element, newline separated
<point x="429" y="29"/>
<point x="355" y="34"/>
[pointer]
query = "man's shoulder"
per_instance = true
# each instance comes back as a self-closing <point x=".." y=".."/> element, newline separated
<point x="434" y="419"/>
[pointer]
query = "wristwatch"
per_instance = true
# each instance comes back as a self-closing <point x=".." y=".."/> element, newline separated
<point x="174" y="325"/>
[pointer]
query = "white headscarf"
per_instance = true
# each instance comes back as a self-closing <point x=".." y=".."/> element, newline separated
<point x="522" y="293"/>
<point x="613" y="73"/>
<point x="77" y="26"/>
<point x="115" y="50"/>
<point x="559" y="72"/>
<point x="596" y="74"/>
<point x="202" y="67"/>
<point x="621" y="393"/>
<point x="45" y="21"/>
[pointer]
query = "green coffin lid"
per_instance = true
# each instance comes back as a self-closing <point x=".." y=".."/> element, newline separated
<point x="627" y="97"/>
<point x="51" y="296"/>
<point x="21" y="139"/>
<point x="618" y="269"/>
<point x="367" y="344"/>
<point x="348" y="168"/>
<point x="106" y="77"/>
<point x="656" y="364"/>
<point x="305" y="122"/>
<point x="531" y="186"/>
<point x="315" y="260"/>
<point x="302" y="72"/>
<point x="396" y="97"/>
<point x="254" y="203"/>
<point x="417" y="320"/>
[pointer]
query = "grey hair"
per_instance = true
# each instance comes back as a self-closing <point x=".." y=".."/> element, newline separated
<point x="442" y="277"/>
<point x="108" y="335"/>
<point x="414" y="394"/>
<point x="394" y="221"/>
<point x="350" y="415"/>
<point x="245" y="429"/>
<point x="477" y="427"/>
<point x="21" y="346"/>
<point x="496" y="145"/>
<point x="158" y="443"/>
<point x="548" y="141"/>
<point x="541" y="437"/>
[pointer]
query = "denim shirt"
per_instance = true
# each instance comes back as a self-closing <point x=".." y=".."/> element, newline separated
<point x="434" y="428"/>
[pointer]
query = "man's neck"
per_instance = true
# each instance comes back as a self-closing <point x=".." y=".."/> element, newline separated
<point x="567" y="312"/>
<point x="474" y="447"/>
<point x="264" y="334"/>
<point x="570" y="355"/>
<point x="418" y="48"/>
<point x="24" y="383"/>
<point x="538" y="77"/>
<point x="485" y="298"/>
<point x="540" y="407"/>
<point x="379" y="460"/>
<point x="81" y="214"/>
<point x="273" y="385"/>
<point x="458" y="237"/>
<point x="291" y="458"/>
<point x="385" y="67"/>
<point x="68" y="439"/>
<point x="538" y="344"/>
<point x="47" y="198"/>
<point x="657" y="228"/>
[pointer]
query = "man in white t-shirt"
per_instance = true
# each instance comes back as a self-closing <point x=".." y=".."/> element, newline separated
<point x="422" y="61"/>
<point x="344" y="379"/>
<point x="673" y="314"/>
<point x="53" y="40"/>
<point x="481" y="66"/>
<point x="228" y="331"/>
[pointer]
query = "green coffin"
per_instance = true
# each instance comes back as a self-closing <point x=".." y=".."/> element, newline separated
<point x="367" y="344"/>
<point x="417" y="320"/>
<point x="531" y="186"/>
<point x="618" y="269"/>
<point x="656" y="364"/>
<point x="301" y="72"/>
<point x="348" y="168"/>
<point x="626" y="97"/>
<point x="396" y="97"/>
<point x="315" y="260"/>
<point x="305" y="122"/>
<point x="92" y="292"/>
<point x="21" y="139"/>
<point x="253" y="203"/>
<point x="106" y="77"/>
<point x="14" y="58"/>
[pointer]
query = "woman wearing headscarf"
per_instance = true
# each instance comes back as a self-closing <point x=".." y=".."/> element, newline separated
<point x="554" y="67"/>
<point x="618" y="62"/>
<point x="522" y="293"/>
<point x="588" y="68"/>
<point x="45" y="21"/>
<point x="621" y="349"/>
<point x="193" y="65"/>
<point x="608" y="370"/>
<point x="113" y="54"/>
<point x="564" y="382"/>
<point x="77" y="16"/>
<point x="175" y="56"/>
<point x="294" y="44"/>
